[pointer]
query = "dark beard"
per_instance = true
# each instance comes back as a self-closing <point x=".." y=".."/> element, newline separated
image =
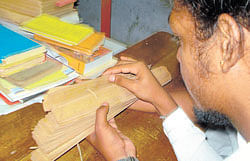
<point x="212" y="119"/>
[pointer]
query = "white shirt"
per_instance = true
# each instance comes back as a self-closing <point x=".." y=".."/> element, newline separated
<point x="190" y="144"/>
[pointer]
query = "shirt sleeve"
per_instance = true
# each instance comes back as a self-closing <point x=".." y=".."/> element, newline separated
<point x="188" y="141"/>
<point x="242" y="154"/>
<point x="129" y="159"/>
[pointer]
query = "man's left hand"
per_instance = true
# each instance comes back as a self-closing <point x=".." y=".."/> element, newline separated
<point x="108" y="139"/>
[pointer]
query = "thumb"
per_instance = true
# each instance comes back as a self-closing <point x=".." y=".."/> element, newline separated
<point x="91" y="138"/>
<point x="101" y="115"/>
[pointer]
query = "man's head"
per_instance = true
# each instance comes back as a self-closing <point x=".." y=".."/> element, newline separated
<point x="214" y="53"/>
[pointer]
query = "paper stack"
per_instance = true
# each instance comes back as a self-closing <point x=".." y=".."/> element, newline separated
<point x="19" y="11"/>
<point x="25" y="70"/>
<point x="82" y="47"/>
<point x="71" y="113"/>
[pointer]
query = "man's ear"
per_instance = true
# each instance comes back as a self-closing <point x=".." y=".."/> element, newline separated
<point x="231" y="43"/>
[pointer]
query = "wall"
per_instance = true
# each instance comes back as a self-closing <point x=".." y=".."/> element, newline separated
<point x="131" y="20"/>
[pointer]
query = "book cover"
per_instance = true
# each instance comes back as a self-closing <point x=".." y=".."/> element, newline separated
<point x="93" y="42"/>
<point x="78" y="63"/>
<point x="13" y="43"/>
<point x="74" y="63"/>
<point x="88" y="46"/>
<point x="8" y="101"/>
<point x="14" y="93"/>
<point x="53" y="28"/>
<point x="33" y="74"/>
<point x="50" y="78"/>
<point x="82" y="57"/>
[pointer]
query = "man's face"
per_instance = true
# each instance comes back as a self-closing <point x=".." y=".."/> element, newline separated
<point x="198" y="61"/>
<point x="182" y="24"/>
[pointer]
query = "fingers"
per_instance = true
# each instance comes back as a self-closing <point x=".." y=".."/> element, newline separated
<point x="124" y="68"/>
<point x="101" y="116"/>
<point x="130" y="84"/>
<point x="126" y="60"/>
<point x="123" y="60"/>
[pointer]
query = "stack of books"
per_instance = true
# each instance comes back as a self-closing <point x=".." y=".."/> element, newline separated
<point x="18" y="52"/>
<point x="66" y="123"/>
<point x="25" y="70"/>
<point x="85" y="49"/>
<point x="19" y="11"/>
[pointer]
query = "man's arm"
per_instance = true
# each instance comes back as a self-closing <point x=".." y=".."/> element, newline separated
<point x="188" y="141"/>
<point x="181" y="97"/>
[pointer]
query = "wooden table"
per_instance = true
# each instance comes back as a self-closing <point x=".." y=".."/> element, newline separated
<point x="144" y="129"/>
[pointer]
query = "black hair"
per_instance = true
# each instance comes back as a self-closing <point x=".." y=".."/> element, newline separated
<point x="206" y="13"/>
<point x="212" y="119"/>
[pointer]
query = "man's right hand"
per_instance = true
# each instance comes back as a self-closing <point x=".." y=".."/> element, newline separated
<point x="145" y="86"/>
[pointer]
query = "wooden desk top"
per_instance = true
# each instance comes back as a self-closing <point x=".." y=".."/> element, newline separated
<point x="144" y="129"/>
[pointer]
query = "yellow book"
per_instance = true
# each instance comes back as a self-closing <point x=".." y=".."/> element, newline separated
<point x="101" y="56"/>
<point x="88" y="46"/>
<point x="74" y="63"/>
<point x="53" y="28"/>
<point x="33" y="74"/>
<point x="58" y="75"/>
<point x="93" y="42"/>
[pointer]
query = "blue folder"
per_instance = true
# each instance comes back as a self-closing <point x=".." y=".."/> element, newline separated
<point x="12" y="43"/>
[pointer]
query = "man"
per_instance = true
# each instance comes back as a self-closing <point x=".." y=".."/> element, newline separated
<point x="214" y="56"/>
